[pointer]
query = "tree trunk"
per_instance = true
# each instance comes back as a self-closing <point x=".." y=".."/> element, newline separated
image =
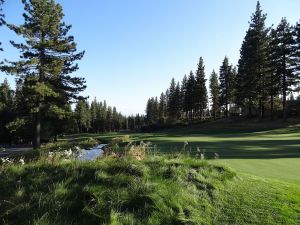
<point x="250" y="108"/>
<point x="261" y="109"/>
<point x="284" y="104"/>
<point x="272" y="107"/>
<point x="284" y="92"/>
<point x="37" y="129"/>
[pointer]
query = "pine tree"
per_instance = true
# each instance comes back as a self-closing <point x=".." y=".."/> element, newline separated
<point x="177" y="100"/>
<point x="167" y="94"/>
<point x="115" y="119"/>
<point x="162" y="108"/>
<point x="173" y="101"/>
<point x="83" y="116"/>
<point x="109" y="118"/>
<point x="253" y="63"/>
<point x="152" y="111"/>
<point x="246" y="91"/>
<point x="284" y="56"/>
<point x="273" y="85"/>
<point x="225" y="91"/>
<point x="200" y="94"/>
<point x="94" y="109"/>
<point x="47" y="60"/>
<point x="183" y="94"/>
<point x="155" y="110"/>
<point x="214" y="93"/>
<point x="261" y="44"/>
<point x="7" y="112"/>
<point x="189" y="97"/>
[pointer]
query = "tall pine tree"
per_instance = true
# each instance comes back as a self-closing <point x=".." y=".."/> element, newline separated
<point x="214" y="93"/>
<point x="200" y="89"/>
<point x="253" y="63"/>
<point x="225" y="85"/>
<point x="47" y="60"/>
<point x="284" y="56"/>
<point x="189" y="100"/>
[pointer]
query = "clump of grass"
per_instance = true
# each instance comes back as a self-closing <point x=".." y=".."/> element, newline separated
<point x="160" y="189"/>
<point x="120" y="140"/>
<point x="135" y="150"/>
<point x="111" y="191"/>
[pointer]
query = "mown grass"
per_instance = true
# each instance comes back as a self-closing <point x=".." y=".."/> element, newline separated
<point x="262" y="148"/>
<point x="173" y="189"/>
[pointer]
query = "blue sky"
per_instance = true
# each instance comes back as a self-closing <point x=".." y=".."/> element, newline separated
<point x="134" y="47"/>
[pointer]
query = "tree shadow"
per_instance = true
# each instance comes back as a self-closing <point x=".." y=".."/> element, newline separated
<point x="236" y="149"/>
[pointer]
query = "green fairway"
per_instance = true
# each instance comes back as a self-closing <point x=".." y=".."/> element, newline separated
<point x="263" y="150"/>
<point x="268" y="149"/>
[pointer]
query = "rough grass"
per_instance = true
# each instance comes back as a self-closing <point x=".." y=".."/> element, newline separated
<point x="173" y="189"/>
<point x="262" y="148"/>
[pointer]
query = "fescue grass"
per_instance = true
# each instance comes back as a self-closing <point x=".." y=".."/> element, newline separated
<point x="168" y="189"/>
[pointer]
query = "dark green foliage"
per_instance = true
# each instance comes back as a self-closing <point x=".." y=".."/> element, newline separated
<point x="173" y="107"/>
<point x="189" y="96"/>
<point x="200" y="90"/>
<point x="284" y="60"/>
<point x="83" y="116"/>
<point x="183" y="90"/>
<point x="152" y="111"/>
<point x="227" y="85"/>
<point x="214" y="93"/>
<point x="6" y="113"/>
<point x="48" y="58"/>
<point x="253" y="63"/>
<point x="162" y="108"/>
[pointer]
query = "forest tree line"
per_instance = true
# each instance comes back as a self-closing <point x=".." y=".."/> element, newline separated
<point x="40" y="107"/>
<point x="262" y="84"/>
<point x="94" y="117"/>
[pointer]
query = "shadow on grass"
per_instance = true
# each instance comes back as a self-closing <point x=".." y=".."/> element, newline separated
<point x="232" y="149"/>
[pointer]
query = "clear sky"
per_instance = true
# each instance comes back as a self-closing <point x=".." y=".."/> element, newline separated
<point x="134" y="47"/>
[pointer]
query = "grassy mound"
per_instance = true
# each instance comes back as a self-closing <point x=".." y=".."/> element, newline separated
<point x="157" y="190"/>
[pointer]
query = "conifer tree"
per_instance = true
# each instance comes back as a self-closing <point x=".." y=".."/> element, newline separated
<point x="7" y="112"/>
<point x="214" y="93"/>
<point x="225" y="86"/>
<point x="273" y="84"/>
<point x="177" y="100"/>
<point x="94" y="109"/>
<point x="109" y="118"/>
<point x="173" y="101"/>
<point x="83" y="116"/>
<point x="162" y="108"/>
<point x="284" y="56"/>
<point x="253" y="63"/>
<point x="155" y="110"/>
<point x="183" y="92"/>
<point x="200" y="94"/>
<point x="246" y="91"/>
<point x="48" y="58"/>
<point x="189" y="97"/>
